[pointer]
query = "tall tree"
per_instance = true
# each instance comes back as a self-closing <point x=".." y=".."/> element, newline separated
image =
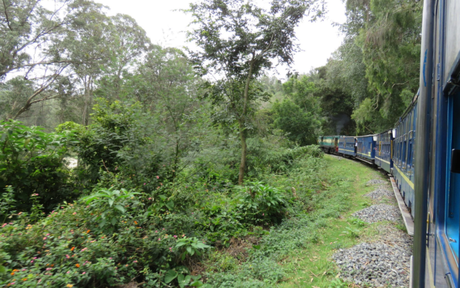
<point x="88" y="46"/>
<point x="129" y="45"/>
<point x="32" y="44"/>
<point x="237" y="42"/>
<point x="387" y="33"/>
<point x="170" y="92"/>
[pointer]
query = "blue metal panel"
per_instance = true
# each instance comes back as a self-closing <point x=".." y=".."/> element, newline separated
<point x="453" y="179"/>
<point x="403" y="166"/>
<point x="347" y="145"/>
<point x="383" y="151"/>
<point x="366" y="147"/>
<point x="444" y="199"/>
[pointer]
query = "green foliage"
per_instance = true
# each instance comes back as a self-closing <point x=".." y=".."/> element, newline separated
<point x="7" y="203"/>
<point x="365" y="114"/>
<point x="261" y="204"/>
<point x="352" y="232"/>
<point x="118" y="142"/>
<point x="189" y="247"/>
<point x="70" y="126"/>
<point x="239" y="41"/>
<point x="323" y="102"/>
<point x="115" y="234"/>
<point x="302" y="127"/>
<point x="388" y="36"/>
<point x="358" y="222"/>
<point x="182" y="280"/>
<point x="110" y="206"/>
<point x="31" y="161"/>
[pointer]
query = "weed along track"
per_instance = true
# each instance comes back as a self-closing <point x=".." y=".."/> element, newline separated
<point x="360" y="241"/>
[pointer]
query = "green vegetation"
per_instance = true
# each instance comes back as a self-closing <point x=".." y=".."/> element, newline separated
<point x="182" y="180"/>
<point x="332" y="225"/>
<point x="193" y="229"/>
<point x="130" y="214"/>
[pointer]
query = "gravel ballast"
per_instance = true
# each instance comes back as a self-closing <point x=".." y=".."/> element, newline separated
<point x="377" y="264"/>
<point x="378" y="212"/>
<point x="376" y="181"/>
<point x="385" y="260"/>
<point x="380" y="193"/>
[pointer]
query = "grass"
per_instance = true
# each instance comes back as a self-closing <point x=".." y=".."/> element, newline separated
<point x="297" y="253"/>
<point x="314" y="268"/>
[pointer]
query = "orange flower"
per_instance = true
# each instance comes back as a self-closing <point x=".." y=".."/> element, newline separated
<point x="135" y="222"/>
<point x="71" y="249"/>
<point x="12" y="273"/>
<point x="52" y="265"/>
<point x="77" y="265"/>
<point x="87" y="231"/>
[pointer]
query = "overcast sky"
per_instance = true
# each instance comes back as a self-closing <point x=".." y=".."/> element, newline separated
<point x="167" y="27"/>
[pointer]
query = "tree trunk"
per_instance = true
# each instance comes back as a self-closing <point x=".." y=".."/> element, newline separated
<point x="88" y="100"/>
<point x="244" y="148"/>
<point x="243" y="152"/>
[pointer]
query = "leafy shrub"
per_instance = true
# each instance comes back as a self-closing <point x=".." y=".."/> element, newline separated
<point x="260" y="203"/>
<point x="189" y="247"/>
<point x="32" y="162"/>
<point x="68" y="246"/>
<point x="121" y="143"/>
<point x="110" y="206"/>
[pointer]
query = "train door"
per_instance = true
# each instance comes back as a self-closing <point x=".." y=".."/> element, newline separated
<point x="453" y="175"/>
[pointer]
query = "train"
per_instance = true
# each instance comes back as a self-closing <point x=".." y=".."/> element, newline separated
<point x="422" y="150"/>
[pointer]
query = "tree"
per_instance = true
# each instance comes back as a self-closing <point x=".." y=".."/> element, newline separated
<point x="238" y="41"/>
<point x="129" y="45"/>
<point x="387" y="33"/>
<point x="32" y="44"/>
<point x="170" y="92"/>
<point x="301" y="126"/>
<point x="88" y="46"/>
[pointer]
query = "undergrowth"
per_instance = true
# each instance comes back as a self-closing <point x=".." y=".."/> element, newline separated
<point x="161" y="228"/>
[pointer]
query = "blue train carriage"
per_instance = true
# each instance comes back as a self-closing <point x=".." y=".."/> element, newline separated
<point x="347" y="145"/>
<point x="384" y="150"/>
<point x="329" y="144"/>
<point x="366" y="148"/>
<point x="403" y="157"/>
<point x="437" y="167"/>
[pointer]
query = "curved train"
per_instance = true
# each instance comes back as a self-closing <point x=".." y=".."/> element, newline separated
<point x="422" y="151"/>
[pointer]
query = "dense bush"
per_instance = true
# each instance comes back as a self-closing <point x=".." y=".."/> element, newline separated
<point x="120" y="145"/>
<point x="110" y="241"/>
<point x="261" y="204"/>
<point x="32" y="162"/>
<point x="139" y="219"/>
<point x="220" y="164"/>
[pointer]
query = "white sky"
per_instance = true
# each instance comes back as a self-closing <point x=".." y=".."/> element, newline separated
<point x="167" y="27"/>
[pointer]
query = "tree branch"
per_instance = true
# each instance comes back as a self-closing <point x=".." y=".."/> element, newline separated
<point x="6" y="15"/>
<point x="31" y="100"/>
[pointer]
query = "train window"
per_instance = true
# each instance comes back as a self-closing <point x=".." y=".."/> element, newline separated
<point x="400" y="152"/>
<point x="404" y="152"/>
<point x="452" y="216"/>
<point x="455" y="161"/>
<point x="409" y="155"/>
